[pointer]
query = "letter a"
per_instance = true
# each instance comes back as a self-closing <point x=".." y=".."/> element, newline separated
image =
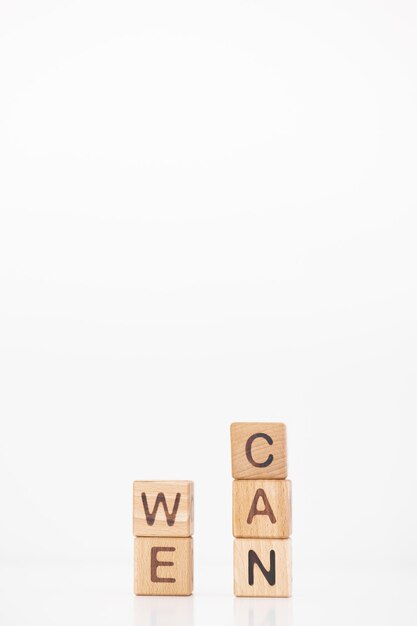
<point x="260" y="493"/>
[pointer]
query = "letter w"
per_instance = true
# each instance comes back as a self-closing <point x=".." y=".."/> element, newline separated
<point x="160" y="498"/>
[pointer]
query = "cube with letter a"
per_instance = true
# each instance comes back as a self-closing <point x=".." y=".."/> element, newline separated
<point x="262" y="508"/>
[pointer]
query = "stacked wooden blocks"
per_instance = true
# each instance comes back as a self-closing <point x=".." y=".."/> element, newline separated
<point x="261" y="510"/>
<point x="163" y="521"/>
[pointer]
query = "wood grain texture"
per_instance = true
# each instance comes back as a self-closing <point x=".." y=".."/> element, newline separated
<point x="163" y="508"/>
<point x="259" y="450"/>
<point x="262" y="508"/>
<point x="275" y="556"/>
<point x="163" y="566"/>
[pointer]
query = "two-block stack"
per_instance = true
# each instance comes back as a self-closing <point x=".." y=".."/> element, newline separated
<point x="261" y="510"/>
<point x="163" y="524"/>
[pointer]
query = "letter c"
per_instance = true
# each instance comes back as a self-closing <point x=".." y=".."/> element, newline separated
<point x="249" y="443"/>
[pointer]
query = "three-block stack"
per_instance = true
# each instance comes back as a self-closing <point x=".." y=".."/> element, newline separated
<point x="261" y="510"/>
<point x="163" y="524"/>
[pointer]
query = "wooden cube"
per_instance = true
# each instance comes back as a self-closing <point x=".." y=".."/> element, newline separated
<point x="262" y="568"/>
<point x="259" y="450"/>
<point x="262" y="508"/>
<point x="163" y="566"/>
<point x="163" y="508"/>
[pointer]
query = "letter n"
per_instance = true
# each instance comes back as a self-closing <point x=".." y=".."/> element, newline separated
<point x="254" y="559"/>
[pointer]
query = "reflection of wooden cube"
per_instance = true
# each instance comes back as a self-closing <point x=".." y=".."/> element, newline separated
<point x="259" y="450"/>
<point x="265" y="612"/>
<point x="163" y="566"/>
<point x="262" y="508"/>
<point x="169" y="611"/>
<point x="262" y="567"/>
<point x="163" y="508"/>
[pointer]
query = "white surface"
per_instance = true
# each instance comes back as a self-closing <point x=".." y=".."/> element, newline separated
<point x="92" y="593"/>
<point x="207" y="213"/>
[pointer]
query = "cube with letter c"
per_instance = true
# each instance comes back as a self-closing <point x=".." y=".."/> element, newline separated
<point x="259" y="450"/>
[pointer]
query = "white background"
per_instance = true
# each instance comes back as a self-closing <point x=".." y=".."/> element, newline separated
<point x="208" y="214"/>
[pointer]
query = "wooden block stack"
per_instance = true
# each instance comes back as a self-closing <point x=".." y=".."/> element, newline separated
<point x="261" y="510"/>
<point x="163" y="524"/>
